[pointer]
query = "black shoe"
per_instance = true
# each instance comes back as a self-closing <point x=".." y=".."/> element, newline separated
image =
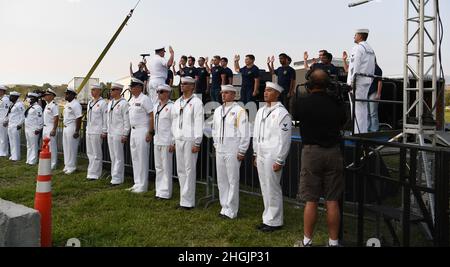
<point x="114" y="185"/>
<point x="259" y="226"/>
<point x="184" y="208"/>
<point x="268" y="228"/>
<point x="223" y="216"/>
<point x="161" y="198"/>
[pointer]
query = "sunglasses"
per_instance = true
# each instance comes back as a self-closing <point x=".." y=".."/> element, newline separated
<point x="115" y="89"/>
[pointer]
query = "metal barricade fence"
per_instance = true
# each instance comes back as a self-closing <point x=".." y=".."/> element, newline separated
<point x="364" y="184"/>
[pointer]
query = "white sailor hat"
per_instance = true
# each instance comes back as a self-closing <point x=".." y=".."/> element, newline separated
<point x="2" y="87"/>
<point x="49" y="91"/>
<point x="96" y="86"/>
<point x="187" y="79"/>
<point x="274" y="86"/>
<point x="164" y="87"/>
<point x="229" y="88"/>
<point x="362" y="31"/>
<point x="135" y="81"/>
<point x="117" y="85"/>
<point x="161" y="47"/>
<point x="14" y="93"/>
<point x="33" y="95"/>
<point x="70" y="89"/>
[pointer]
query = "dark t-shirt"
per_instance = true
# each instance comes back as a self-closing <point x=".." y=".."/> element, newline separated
<point x="229" y="74"/>
<point x="321" y="118"/>
<point x="248" y="77"/>
<point x="374" y="85"/>
<point x="188" y="71"/>
<point x="330" y="69"/>
<point x="141" y="75"/>
<point x="202" y="85"/>
<point x="216" y="80"/>
<point x="285" y="76"/>
<point x="169" y="76"/>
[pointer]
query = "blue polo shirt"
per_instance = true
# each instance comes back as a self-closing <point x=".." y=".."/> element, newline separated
<point x="188" y="71"/>
<point x="202" y="80"/>
<point x="229" y="74"/>
<point x="248" y="77"/>
<point x="374" y="85"/>
<point x="285" y="75"/>
<point x="216" y="80"/>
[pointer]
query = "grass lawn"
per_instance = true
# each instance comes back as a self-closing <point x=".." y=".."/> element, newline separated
<point x="100" y="215"/>
<point x="447" y="116"/>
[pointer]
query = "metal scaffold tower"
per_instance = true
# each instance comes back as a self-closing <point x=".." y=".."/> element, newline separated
<point x="419" y="95"/>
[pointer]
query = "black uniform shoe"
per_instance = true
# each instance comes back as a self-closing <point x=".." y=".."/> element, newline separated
<point x="268" y="228"/>
<point x="184" y="208"/>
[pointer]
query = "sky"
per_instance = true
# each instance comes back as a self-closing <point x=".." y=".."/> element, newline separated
<point x="56" y="40"/>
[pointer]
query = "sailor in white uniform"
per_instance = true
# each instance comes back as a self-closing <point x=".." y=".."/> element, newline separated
<point x="71" y="134"/>
<point x="118" y="131"/>
<point x="164" y="143"/>
<point x="96" y="132"/>
<point x="271" y="144"/>
<point x="231" y="137"/>
<point x="158" y="67"/>
<point x="362" y="61"/>
<point x="4" y="107"/>
<point x="34" y="122"/>
<point x="187" y="129"/>
<point x="51" y="120"/>
<point x="14" y="120"/>
<point x="141" y="122"/>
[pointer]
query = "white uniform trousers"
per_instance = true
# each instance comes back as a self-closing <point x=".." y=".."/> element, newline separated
<point x="14" y="143"/>
<point x="361" y="123"/>
<point x="95" y="155"/>
<point x="52" y="145"/>
<point x="271" y="191"/>
<point x="32" y="146"/>
<point x="228" y="183"/>
<point x="70" y="148"/>
<point x="187" y="172"/>
<point x="140" y="151"/>
<point x="163" y="168"/>
<point x="3" y="141"/>
<point x="152" y="87"/>
<point x="117" y="159"/>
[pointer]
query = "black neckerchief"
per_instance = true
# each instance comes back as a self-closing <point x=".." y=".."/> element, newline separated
<point x="113" y="106"/>
<point x="157" y="114"/>
<point x="224" y="116"/>
<point x="10" y="108"/>
<point x="263" y="121"/>
<point x="92" y="106"/>
<point x="28" y="109"/>
<point x="180" y="123"/>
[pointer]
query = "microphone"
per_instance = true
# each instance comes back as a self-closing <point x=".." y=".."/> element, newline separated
<point x="359" y="3"/>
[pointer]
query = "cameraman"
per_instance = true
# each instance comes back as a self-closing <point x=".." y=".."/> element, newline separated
<point x="321" y="118"/>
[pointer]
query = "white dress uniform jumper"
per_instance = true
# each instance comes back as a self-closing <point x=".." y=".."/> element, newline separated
<point x="140" y="109"/>
<point x="362" y="61"/>
<point x="50" y="112"/>
<point x="163" y="139"/>
<point x="271" y="144"/>
<point x="96" y="126"/>
<point x="231" y="137"/>
<point x="15" y="118"/>
<point x="72" y="111"/>
<point x="34" y="121"/>
<point x="158" y="76"/>
<point x="4" y="107"/>
<point x="118" y="127"/>
<point x="187" y="128"/>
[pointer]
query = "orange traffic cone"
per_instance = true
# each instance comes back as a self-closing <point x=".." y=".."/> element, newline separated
<point x="43" y="197"/>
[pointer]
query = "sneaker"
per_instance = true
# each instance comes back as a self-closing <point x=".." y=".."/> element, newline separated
<point x="300" y="244"/>
<point x="130" y="189"/>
